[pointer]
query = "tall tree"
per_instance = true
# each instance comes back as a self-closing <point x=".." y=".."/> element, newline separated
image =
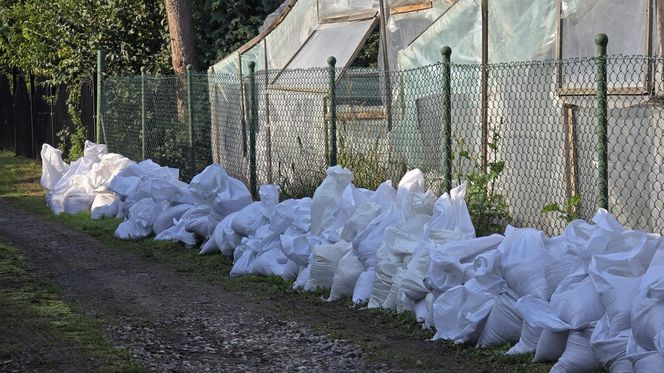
<point x="181" y="30"/>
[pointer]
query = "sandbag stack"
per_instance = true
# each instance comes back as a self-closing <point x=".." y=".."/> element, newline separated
<point x="589" y="298"/>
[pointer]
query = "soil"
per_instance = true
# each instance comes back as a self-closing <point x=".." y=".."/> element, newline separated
<point x="172" y="321"/>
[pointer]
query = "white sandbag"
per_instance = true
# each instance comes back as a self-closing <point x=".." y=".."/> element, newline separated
<point x="127" y="181"/>
<point x="578" y="356"/>
<point x="562" y="261"/>
<point x="102" y="172"/>
<point x="504" y="322"/>
<point x="324" y="264"/>
<point x="611" y="350"/>
<point x="366" y="243"/>
<point x="362" y="290"/>
<point x="205" y="186"/>
<point x="270" y="262"/>
<point x="248" y="219"/>
<point x="350" y="200"/>
<point x="400" y="241"/>
<point x="286" y="212"/>
<point x="361" y="217"/>
<point x="243" y="265"/>
<point x="648" y="315"/>
<point x="459" y="312"/>
<point x="196" y="220"/>
<point x="550" y="346"/>
<point x="345" y="276"/>
<point x="451" y="220"/>
<point x="53" y="167"/>
<point x="141" y="218"/>
<point x="74" y="192"/>
<point x="171" y="190"/>
<point x="209" y="246"/>
<point x="577" y="302"/>
<point x="652" y="362"/>
<point x="302" y="277"/>
<point x="411" y="182"/>
<point x="226" y="239"/>
<point x="616" y="292"/>
<point x="298" y="248"/>
<point x="524" y="261"/>
<point x="446" y="269"/>
<point x="234" y="197"/>
<point x="409" y="281"/>
<point x="527" y="340"/>
<point x="538" y="313"/>
<point x="168" y="217"/>
<point x="91" y="149"/>
<point x="105" y="205"/>
<point x="423" y="310"/>
<point x="177" y="233"/>
<point x="327" y="196"/>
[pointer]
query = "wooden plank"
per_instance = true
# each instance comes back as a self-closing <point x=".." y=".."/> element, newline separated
<point x="350" y="18"/>
<point x="359" y="115"/>
<point x="570" y="149"/>
<point x="411" y="8"/>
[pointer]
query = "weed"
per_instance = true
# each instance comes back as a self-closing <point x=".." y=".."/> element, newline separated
<point x="488" y="209"/>
<point x="567" y="211"/>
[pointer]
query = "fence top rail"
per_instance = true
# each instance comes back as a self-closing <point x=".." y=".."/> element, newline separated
<point x="377" y="72"/>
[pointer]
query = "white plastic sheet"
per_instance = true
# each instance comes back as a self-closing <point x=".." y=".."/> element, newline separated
<point x="53" y="167"/>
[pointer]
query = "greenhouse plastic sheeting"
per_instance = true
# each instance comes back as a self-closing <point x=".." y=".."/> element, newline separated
<point x="460" y="28"/>
<point x="403" y="28"/>
<point x="339" y="39"/>
<point x="285" y="40"/>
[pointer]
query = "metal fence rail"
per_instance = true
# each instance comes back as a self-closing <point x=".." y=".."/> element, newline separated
<point x="551" y="123"/>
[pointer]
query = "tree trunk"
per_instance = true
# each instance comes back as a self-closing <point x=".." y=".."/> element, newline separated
<point x="181" y="30"/>
<point x="183" y="47"/>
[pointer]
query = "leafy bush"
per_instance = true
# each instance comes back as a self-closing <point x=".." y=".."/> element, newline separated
<point x="488" y="209"/>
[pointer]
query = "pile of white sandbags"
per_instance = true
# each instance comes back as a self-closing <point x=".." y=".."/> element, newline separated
<point x="589" y="298"/>
<point x="83" y="185"/>
<point x="586" y="299"/>
<point x="157" y="202"/>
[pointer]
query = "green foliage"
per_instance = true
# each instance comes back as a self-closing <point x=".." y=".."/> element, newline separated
<point x="222" y="26"/>
<point x="488" y="209"/>
<point x="368" y="55"/>
<point x="56" y="41"/>
<point x="567" y="211"/>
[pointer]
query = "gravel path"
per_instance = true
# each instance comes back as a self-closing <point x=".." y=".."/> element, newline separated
<point x="169" y="321"/>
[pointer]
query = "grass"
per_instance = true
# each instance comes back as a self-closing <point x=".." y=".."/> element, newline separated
<point x="33" y="320"/>
<point x="18" y="181"/>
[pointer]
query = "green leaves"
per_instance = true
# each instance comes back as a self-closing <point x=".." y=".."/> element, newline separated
<point x="488" y="209"/>
<point x="567" y="211"/>
<point x="57" y="39"/>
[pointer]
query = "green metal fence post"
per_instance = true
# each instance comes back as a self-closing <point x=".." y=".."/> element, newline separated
<point x="190" y="119"/>
<point x="144" y="144"/>
<point x="332" y="110"/>
<point x="601" y="41"/>
<point x="446" y="136"/>
<point x="99" y="126"/>
<point x="253" y="117"/>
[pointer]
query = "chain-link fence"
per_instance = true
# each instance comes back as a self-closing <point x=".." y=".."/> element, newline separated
<point x="534" y="124"/>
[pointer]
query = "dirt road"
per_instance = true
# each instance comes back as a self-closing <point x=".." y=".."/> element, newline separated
<point x="169" y="321"/>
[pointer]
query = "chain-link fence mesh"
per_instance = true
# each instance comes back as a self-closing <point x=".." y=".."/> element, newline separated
<point x="539" y="118"/>
<point x="149" y="118"/>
